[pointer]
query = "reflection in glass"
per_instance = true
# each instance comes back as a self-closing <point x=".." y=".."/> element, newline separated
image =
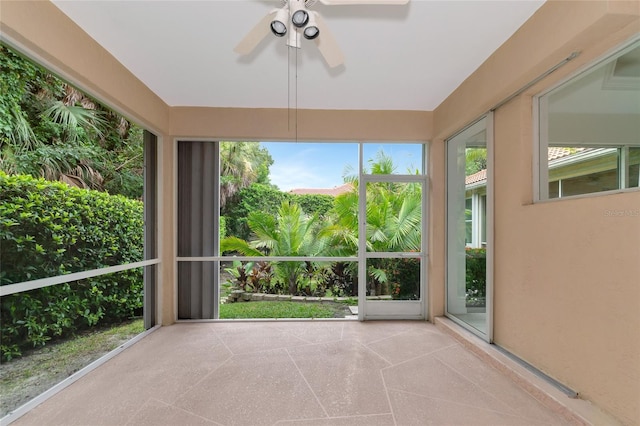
<point x="589" y="129"/>
<point x="466" y="226"/>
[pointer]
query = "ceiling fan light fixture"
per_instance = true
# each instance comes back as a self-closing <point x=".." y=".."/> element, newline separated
<point x="279" y="29"/>
<point x="278" y="26"/>
<point x="300" y="18"/>
<point x="311" y="32"/>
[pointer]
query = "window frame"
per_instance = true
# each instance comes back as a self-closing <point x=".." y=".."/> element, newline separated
<point x="541" y="130"/>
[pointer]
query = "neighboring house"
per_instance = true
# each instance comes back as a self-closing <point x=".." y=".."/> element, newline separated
<point x="334" y="192"/>
<point x="572" y="171"/>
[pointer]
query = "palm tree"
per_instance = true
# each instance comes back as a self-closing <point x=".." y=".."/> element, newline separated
<point x="50" y="129"/>
<point x="290" y="233"/>
<point x="394" y="215"/>
<point x="241" y="164"/>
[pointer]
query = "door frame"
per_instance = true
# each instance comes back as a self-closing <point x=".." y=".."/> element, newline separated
<point x="400" y="309"/>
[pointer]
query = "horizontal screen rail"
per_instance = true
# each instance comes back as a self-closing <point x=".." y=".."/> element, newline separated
<point x="8" y="289"/>
<point x="267" y="259"/>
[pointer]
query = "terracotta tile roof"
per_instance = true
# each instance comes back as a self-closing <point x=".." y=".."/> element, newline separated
<point x="554" y="154"/>
<point x="476" y="177"/>
<point x="334" y="192"/>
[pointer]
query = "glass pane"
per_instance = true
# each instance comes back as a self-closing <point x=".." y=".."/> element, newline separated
<point x="88" y="213"/>
<point x="589" y="125"/>
<point x="468" y="222"/>
<point x="305" y="203"/>
<point x="466" y="225"/>
<point x="50" y="229"/>
<point x="288" y="289"/>
<point x="396" y="159"/>
<point x="634" y="167"/>
<point x="394" y="217"/>
<point x="583" y="170"/>
<point x="393" y="279"/>
<point x="49" y="333"/>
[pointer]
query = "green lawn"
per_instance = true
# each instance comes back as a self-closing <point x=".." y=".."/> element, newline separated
<point x="282" y="310"/>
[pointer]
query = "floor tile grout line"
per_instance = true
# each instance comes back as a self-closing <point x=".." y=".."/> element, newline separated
<point x="485" y="391"/>
<point x="223" y="342"/>
<point x="357" y="416"/>
<point x="475" y="407"/>
<point x="421" y="356"/>
<point x="454" y="370"/>
<point x="386" y="391"/>
<point x="377" y="354"/>
<point x="181" y="395"/>
<point x="213" y="422"/>
<point x="388" y="337"/>
<point x="324" y="410"/>
<point x="140" y="408"/>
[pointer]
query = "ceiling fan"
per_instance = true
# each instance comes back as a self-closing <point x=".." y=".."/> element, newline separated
<point x="295" y="20"/>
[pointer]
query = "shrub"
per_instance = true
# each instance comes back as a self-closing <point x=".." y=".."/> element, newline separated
<point x="476" y="275"/>
<point x="267" y="199"/>
<point x="49" y="229"/>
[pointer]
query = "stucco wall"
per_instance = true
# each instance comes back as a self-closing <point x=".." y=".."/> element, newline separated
<point x="567" y="272"/>
<point x="311" y="125"/>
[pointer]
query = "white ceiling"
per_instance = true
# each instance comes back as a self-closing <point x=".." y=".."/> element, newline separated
<point x="407" y="57"/>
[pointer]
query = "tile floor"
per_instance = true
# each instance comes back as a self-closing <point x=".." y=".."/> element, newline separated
<point x="294" y="373"/>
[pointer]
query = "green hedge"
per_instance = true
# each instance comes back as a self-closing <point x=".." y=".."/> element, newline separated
<point x="268" y="199"/>
<point x="49" y="229"/>
<point x="476" y="275"/>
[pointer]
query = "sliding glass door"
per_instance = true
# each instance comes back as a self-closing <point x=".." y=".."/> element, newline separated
<point x="469" y="225"/>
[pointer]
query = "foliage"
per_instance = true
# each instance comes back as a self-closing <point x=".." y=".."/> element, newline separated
<point x="49" y="229"/>
<point x="313" y="203"/>
<point x="475" y="160"/>
<point x="268" y="199"/>
<point x="252" y="276"/>
<point x="256" y="197"/>
<point x="241" y="164"/>
<point x="476" y="274"/>
<point x="394" y="218"/>
<point x="50" y="129"/>
<point x="289" y="233"/>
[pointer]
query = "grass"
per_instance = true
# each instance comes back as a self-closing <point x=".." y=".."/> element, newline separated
<point x="38" y="370"/>
<point x="282" y="310"/>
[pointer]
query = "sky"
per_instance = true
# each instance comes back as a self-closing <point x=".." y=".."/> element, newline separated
<point x="322" y="165"/>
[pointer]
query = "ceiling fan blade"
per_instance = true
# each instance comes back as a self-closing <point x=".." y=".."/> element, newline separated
<point x="255" y="36"/>
<point x="362" y="2"/>
<point x="328" y="45"/>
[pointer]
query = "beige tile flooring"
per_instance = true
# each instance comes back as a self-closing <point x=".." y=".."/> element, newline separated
<point x="294" y="373"/>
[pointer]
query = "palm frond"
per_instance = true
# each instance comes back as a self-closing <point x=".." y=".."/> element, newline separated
<point x="235" y="244"/>
<point x="73" y="118"/>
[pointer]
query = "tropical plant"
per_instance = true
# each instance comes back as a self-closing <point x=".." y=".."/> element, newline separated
<point x="50" y="129"/>
<point x="475" y="160"/>
<point x="241" y="164"/>
<point x="394" y="215"/>
<point x="289" y="233"/>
